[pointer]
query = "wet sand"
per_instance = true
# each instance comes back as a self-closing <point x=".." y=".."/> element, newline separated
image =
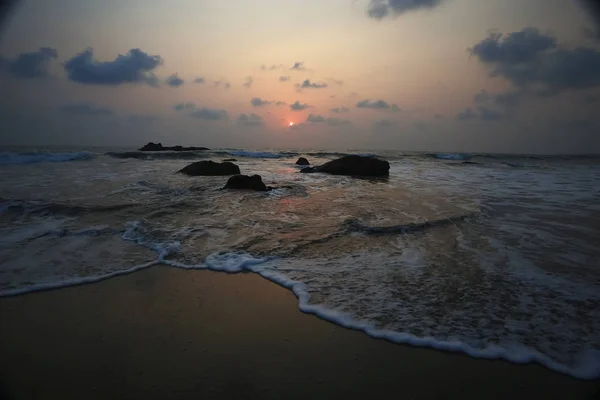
<point x="166" y="333"/>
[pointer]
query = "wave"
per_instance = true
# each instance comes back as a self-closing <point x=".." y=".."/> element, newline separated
<point x="356" y="225"/>
<point x="10" y="158"/>
<point x="261" y="154"/>
<point x="235" y="262"/>
<point x="452" y="156"/>
<point x="162" y="155"/>
<point x="20" y="207"/>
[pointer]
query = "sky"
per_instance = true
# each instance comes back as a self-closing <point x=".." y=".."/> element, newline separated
<point x="505" y="76"/>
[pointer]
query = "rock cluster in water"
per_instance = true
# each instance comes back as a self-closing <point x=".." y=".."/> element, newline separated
<point x="353" y="165"/>
<point x="159" y="147"/>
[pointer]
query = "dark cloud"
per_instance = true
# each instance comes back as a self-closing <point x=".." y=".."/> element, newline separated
<point x="377" y="105"/>
<point x="142" y="119"/>
<point x="592" y="33"/>
<point x="284" y="78"/>
<point x="133" y="67"/>
<point x="297" y="106"/>
<point x="85" y="108"/>
<point x="209" y="114"/>
<point x="298" y="66"/>
<point x="250" y="120"/>
<point x="30" y="65"/>
<point x="315" y="119"/>
<point x="338" y="122"/>
<point x="421" y="126"/>
<point x="384" y="123"/>
<point x="319" y="119"/>
<point x="590" y="99"/>
<point x="514" y="48"/>
<point x="466" y="115"/>
<point x="482" y="97"/>
<point x="529" y="59"/>
<point x="339" y="110"/>
<point x="482" y="113"/>
<point x="307" y="84"/>
<point x="488" y="114"/>
<point x="249" y="81"/>
<point x="508" y="99"/>
<point x="258" y="102"/>
<point x="380" y="9"/>
<point x="226" y="84"/>
<point x="272" y="67"/>
<point x="184" y="106"/>
<point x="174" y="81"/>
<point x="336" y="81"/>
<point x="280" y="103"/>
<point x="199" y="80"/>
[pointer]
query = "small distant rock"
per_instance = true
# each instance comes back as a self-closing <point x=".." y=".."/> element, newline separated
<point x="353" y="165"/>
<point x="253" y="182"/>
<point x="210" y="168"/>
<point x="302" y="161"/>
<point x="151" y="146"/>
<point x="230" y="159"/>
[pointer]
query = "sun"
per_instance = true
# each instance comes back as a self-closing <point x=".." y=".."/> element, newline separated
<point x="291" y="123"/>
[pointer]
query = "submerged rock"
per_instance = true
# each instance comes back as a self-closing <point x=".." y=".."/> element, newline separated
<point x="302" y="161"/>
<point x="159" y="147"/>
<point x="353" y="165"/>
<point x="210" y="168"/>
<point x="253" y="182"/>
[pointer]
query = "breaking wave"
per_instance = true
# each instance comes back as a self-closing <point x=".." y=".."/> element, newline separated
<point x="8" y="158"/>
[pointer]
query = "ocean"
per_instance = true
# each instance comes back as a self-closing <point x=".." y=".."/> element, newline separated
<point x="495" y="256"/>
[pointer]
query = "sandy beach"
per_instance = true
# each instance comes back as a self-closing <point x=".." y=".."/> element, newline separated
<point x="166" y="333"/>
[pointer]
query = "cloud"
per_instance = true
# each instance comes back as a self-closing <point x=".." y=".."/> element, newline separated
<point x="297" y="106"/>
<point x="142" y="119"/>
<point x="284" y="78"/>
<point x="438" y="116"/>
<point x="377" y="105"/>
<point x="379" y="9"/>
<point x="199" y="80"/>
<point x="280" y="103"/>
<point x="508" y="99"/>
<point x="226" y="84"/>
<point x="338" y="122"/>
<point x="298" y="66"/>
<point x="482" y="113"/>
<point x="85" y="108"/>
<point x="209" y="114"/>
<point x="529" y="59"/>
<point x="315" y="119"/>
<point x="249" y="81"/>
<point x="133" y="67"/>
<point x="174" y="81"/>
<point x="590" y="99"/>
<point x="250" y="120"/>
<point x="513" y="48"/>
<point x="272" y="67"/>
<point x="30" y="65"/>
<point x="421" y="126"/>
<point x="592" y="33"/>
<point x="307" y="84"/>
<point x="184" y="106"/>
<point x="466" y="115"/>
<point x="384" y="123"/>
<point x="258" y="102"/>
<point x="339" y="110"/>
<point x="336" y="81"/>
<point x="482" y="97"/>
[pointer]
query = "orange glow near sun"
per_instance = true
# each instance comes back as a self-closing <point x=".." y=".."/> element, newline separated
<point x="291" y="123"/>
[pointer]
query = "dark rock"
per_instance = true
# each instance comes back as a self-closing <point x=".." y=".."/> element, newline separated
<point x="230" y="159"/>
<point x="210" y="168"/>
<point x="159" y="147"/>
<point x="353" y="165"/>
<point x="302" y="161"/>
<point x="469" y="162"/>
<point x="253" y="182"/>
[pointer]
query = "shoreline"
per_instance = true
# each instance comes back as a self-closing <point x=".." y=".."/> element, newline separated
<point x="165" y="332"/>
